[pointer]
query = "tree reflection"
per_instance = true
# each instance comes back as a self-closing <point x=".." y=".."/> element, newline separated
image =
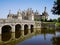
<point x="47" y="31"/>
<point x="56" y="40"/>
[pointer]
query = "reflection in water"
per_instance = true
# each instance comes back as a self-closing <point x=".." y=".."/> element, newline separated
<point x="6" y="33"/>
<point x="56" y="40"/>
<point x="25" y="29"/>
<point x="6" y="36"/>
<point x="45" y="38"/>
<point x="32" y="27"/>
<point x="17" y="31"/>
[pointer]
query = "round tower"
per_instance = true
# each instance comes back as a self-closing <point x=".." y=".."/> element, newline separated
<point x="19" y="15"/>
<point x="45" y="14"/>
<point x="31" y="17"/>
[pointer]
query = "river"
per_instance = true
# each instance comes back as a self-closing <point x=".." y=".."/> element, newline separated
<point x="45" y="38"/>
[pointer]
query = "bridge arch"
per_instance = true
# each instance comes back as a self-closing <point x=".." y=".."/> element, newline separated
<point x="17" y="30"/>
<point x="6" y="32"/>
<point x="32" y="28"/>
<point x="25" y="29"/>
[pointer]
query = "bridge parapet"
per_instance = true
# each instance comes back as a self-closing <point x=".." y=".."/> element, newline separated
<point x="15" y="21"/>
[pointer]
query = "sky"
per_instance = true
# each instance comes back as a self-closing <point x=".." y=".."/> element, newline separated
<point x="15" y="5"/>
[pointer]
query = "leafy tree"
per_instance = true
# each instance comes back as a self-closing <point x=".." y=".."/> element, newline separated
<point x="59" y="19"/>
<point x="41" y="19"/>
<point x="56" y="7"/>
<point x="37" y="19"/>
<point x="45" y="20"/>
<point x="54" y="20"/>
<point x="50" y="20"/>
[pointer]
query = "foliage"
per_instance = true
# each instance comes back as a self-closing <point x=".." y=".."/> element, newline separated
<point x="57" y="23"/>
<point x="44" y="20"/>
<point x="59" y="19"/>
<point x="41" y="20"/>
<point x="36" y="19"/>
<point x="56" y="7"/>
<point x="54" y="20"/>
<point x="50" y="20"/>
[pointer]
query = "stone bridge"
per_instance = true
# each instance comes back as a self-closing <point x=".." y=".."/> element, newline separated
<point x="15" y="28"/>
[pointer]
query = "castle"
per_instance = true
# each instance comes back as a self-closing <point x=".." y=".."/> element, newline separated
<point x="21" y="24"/>
<point x="28" y="14"/>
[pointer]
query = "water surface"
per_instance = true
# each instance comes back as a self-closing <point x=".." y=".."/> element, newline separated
<point x="45" y="38"/>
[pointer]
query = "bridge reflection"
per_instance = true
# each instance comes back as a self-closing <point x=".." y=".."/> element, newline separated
<point x="17" y="31"/>
<point x="6" y="33"/>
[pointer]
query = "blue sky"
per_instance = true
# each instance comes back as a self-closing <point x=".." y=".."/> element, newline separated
<point x="14" y="5"/>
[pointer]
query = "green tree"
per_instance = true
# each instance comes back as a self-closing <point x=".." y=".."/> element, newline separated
<point x="59" y="19"/>
<point x="54" y="20"/>
<point x="50" y="20"/>
<point x="45" y="20"/>
<point x="41" y="20"/>
<point x="56" y="7"/>
<point x="36" y="19"/>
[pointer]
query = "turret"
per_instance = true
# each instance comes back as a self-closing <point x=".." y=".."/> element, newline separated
<point x="19" y="15"/>
<point x="45" y="14"/>
<point x="31" y="17"/>
<point x="9" y="11"/>
<point x="45" y="9"/>
<point x="9" y="15"/>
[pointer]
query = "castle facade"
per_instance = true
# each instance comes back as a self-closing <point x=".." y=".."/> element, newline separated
<point x="28" y="14"/>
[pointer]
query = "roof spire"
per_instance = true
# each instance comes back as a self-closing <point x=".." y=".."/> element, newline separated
<point x="9" y="11"/>
<point x="45" y="9"/>
<point x="19" y="10"/>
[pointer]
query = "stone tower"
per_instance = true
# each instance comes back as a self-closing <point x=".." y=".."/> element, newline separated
<point x="31" y="15"/>
<point x="45" y="14"/>
<point x="19" y="14"/>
